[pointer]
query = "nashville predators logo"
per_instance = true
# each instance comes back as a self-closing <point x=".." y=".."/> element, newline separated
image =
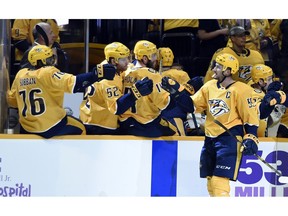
<point x="218" y="107"/>
<point x="244" y="72"/>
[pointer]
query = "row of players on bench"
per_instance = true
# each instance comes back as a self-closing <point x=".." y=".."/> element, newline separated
<point x="129" y="98"/>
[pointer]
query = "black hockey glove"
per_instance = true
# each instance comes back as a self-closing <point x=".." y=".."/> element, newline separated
<point x="105" y="71"/>
<point x="142" y="87"/>
<point x="196" y="82"/>
<point x="275" y="86"/>
<point x="172" y="86"/>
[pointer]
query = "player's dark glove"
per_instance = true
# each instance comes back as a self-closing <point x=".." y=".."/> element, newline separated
<point x="171" y="86"/>
<point x="142" y="87"/>
<point x="275" y="86"/>
<point x="249" y="144"/>
<point x="196" y="82"/>
<point x="105" y="71"/>
<point x="274" y="97"/>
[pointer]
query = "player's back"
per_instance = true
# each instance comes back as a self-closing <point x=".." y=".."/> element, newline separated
<point x="39" y="95"/>
<point x="179" y="75"/>
<point x="100" y="105"/>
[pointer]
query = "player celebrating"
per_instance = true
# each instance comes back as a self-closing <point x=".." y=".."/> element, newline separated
<point x="262" y="82"/>
<point x="105" y="100"/>
<point x="144" y="118"/>
<point x="38" y="94"/>
<point x="229" y="102"/>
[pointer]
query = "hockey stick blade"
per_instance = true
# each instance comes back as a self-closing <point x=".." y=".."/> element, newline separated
<point x="283" y="178"/>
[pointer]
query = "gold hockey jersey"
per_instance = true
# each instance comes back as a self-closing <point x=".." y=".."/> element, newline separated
<point x="232" y="106"/>
<point x="148" y="107"/>
<point x="38" y="95"/>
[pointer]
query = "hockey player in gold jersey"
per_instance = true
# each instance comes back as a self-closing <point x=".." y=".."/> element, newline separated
<point x="38" y="94"/>
<point x="246" y="57"/>
<point x="229" y="102"/>
<point x="144" y="118"/>
<point x="262" y="82"/>
<point x="105" y="100"/>
<point x="272" y="102"/>
<point x="166" y="60"/>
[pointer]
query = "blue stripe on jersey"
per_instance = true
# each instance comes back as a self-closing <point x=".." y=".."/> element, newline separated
<point x="164" y="168"/>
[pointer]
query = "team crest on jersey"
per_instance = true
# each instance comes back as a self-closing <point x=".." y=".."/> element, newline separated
<point x="245" y="72"/>
<point x="218" y="107"/>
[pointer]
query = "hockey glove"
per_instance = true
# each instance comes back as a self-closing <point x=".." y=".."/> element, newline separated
<point x="171" y="86"/>
<point x="275" y="86"/>
<point x="274" y="97"/>
<point x="105" y="71"/>
<point x="142" y="87"/>
<point x="196" y="82"/>
<point x="250" y="144"/>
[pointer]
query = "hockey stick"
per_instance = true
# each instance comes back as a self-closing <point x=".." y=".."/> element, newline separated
<point x="282" y="179"/>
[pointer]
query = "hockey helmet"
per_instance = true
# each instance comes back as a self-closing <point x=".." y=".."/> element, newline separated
<point x="261" y="71"/>
<point x="144" y="48"/>
<point x="41" y="53"/>
<point x="228" y="61"/>
<point x="117" y="51"/>
<point x="166" y="55"/>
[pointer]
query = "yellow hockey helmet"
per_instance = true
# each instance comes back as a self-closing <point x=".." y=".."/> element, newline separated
<point x="116" y="50"/>
<point x="261" y="71"/>
<point x="228" y="61"/>
<point x="40" y="53"/>
<point x="144" y="48"/>
<point x="166" y="55"/>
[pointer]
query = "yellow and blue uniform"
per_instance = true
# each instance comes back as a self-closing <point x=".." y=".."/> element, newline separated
<point x="146" y="112"/>
<point x="38" y="94"/>
<point x="182" y="77"/>
<point x="234" y="107"/>
<point x="258" y="95"/>
<point x="98" y="110"/>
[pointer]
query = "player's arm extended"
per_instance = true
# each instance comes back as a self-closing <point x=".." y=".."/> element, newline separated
<point x="178" y="94"/>
<point x="141" y="88"/>
<point x="269" y="101"/>
<point x="106" y="71"/>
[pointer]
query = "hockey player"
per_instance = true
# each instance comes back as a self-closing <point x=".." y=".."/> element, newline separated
<point x="262" y="82"/>
<point x="144" y="118"/>
<point x="229" y="102"/>
<point x="38" y="94"/>
<point x="105" y="100"/>
<point x="246" y="57"/>
<point x="166" y="59"/>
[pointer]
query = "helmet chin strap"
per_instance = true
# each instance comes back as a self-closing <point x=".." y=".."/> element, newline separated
<point x="223" y="78"/>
